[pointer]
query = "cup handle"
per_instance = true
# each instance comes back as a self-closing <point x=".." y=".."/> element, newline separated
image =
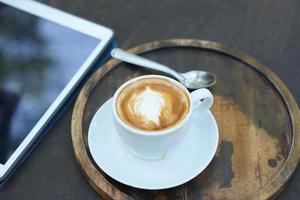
<point x="202" y="99"/>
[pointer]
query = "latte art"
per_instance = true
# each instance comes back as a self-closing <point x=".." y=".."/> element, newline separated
<point x="152" y="104"/>
<point x="147" y="105"/>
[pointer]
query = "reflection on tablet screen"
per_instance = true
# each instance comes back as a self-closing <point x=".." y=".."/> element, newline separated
<point x="37" y="59"/>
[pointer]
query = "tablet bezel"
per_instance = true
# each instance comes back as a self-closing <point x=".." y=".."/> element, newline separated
<point x="78" y="24"/>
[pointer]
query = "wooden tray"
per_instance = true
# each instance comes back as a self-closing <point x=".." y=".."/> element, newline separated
<point x="258" y="119"/>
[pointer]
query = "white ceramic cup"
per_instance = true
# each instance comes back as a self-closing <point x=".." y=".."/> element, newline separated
<point x="153" y="145"/>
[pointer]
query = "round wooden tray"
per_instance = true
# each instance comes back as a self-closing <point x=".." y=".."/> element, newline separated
<point x="258" y="119"/>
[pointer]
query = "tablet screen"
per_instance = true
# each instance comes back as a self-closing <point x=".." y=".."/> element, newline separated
<point x="37" y="59"/>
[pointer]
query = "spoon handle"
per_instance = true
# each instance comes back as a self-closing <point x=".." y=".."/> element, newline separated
<point x="143" y="62"/>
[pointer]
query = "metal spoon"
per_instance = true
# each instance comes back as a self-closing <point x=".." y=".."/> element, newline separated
<point x="192" y="80"/>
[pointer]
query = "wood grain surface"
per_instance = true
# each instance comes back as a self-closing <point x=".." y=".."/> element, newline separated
<point x="268" y="30"/>
<point x="257" y="116"/>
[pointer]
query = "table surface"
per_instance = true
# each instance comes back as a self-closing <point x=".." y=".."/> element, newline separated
<point x="268" y="30"/>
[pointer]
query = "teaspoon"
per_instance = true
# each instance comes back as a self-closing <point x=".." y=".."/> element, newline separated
<point x="192" y="80"/>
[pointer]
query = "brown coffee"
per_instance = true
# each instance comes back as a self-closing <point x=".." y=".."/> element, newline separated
<point x="152" y="104"/>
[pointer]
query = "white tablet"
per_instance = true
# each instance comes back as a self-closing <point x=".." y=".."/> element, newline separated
<point x="44" y="53"/>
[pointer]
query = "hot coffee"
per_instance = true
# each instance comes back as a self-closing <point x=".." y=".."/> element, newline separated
<point x="152" y="104"/>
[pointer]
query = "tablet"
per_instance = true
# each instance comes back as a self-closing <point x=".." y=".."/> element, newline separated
<point x="44" y="54"/>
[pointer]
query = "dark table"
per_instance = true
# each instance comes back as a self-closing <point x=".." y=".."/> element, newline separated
<point x="268" y="30"/>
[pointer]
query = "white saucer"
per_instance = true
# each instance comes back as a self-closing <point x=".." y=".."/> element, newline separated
<point x="190" y="158"/>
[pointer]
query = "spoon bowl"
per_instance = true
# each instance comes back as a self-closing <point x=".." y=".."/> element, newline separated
<point x="198" y="79"/>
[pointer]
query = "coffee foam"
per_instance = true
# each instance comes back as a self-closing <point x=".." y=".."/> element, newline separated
<point x="152" y="104"/>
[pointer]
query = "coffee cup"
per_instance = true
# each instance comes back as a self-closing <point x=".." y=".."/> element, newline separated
<point x="152" y="114"/>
